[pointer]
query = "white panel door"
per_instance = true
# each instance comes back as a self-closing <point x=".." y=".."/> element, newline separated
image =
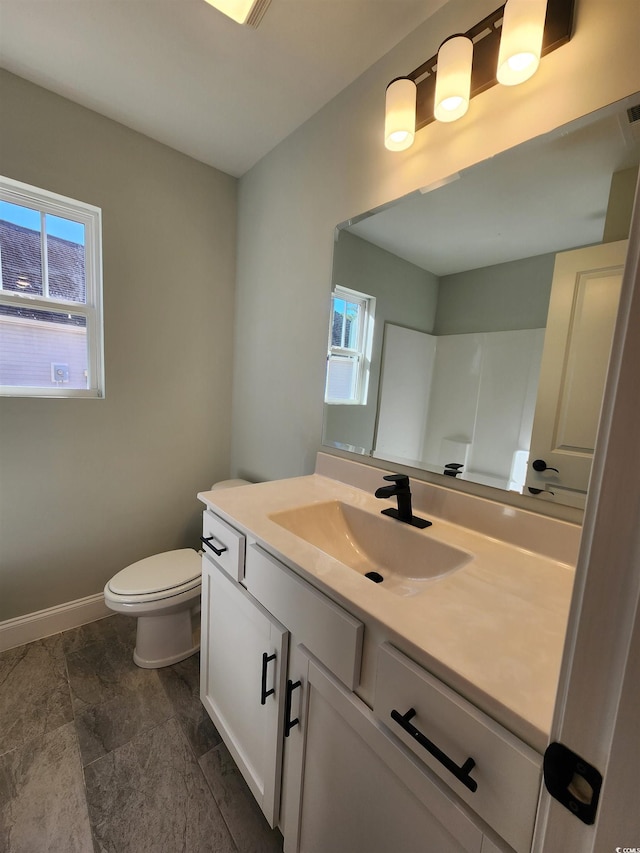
<point x="242" y="682"/>
<point x="582" y="311"/>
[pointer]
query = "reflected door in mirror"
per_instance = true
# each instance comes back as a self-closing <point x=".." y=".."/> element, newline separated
<point x="582" y="314"/>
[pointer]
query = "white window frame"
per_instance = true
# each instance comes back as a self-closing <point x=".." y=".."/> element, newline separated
<point x="362" y="351"/>
<point x="44" y="202"/>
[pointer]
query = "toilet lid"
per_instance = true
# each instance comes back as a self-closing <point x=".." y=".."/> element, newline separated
<point x="159" y="573"/>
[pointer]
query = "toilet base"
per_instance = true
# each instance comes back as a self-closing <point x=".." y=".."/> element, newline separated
<point x="158" y="664"/>
<point x="165" y="639"/>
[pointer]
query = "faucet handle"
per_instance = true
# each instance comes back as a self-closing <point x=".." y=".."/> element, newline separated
<point x="400" y="480"/>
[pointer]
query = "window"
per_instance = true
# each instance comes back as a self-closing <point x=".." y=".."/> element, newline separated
<point x="50" y="294"/>
<point x="349" y="353"/>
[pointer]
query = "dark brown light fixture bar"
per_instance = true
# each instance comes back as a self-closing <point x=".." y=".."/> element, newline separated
<point x="485" y="36"/>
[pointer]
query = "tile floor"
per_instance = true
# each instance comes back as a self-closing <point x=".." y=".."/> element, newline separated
<point x="100" y="756"/>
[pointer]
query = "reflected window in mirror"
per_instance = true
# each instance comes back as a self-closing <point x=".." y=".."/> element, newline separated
<point x="349" y="348"/>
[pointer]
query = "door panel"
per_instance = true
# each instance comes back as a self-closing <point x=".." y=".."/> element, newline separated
<point x="582" y="313"/>
<point x="239" y="632"/>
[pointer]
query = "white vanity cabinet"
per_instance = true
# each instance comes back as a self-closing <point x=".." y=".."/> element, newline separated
<point x="281" y="664"/>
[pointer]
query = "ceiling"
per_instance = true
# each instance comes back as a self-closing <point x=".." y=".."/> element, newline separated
<point x="184" y="74"/>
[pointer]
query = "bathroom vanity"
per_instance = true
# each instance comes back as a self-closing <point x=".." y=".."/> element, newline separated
<point x="409" y="714"/>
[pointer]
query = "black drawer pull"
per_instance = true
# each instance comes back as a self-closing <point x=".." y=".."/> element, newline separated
<point x="263" y="686"/>
<point x="288" y="722"/>
<point x="461" y="773"/>
<point x="207" y="541"/>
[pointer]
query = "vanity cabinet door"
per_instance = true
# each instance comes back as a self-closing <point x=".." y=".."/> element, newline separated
<point x="242" y="682"/>
<point x="356" y="790"/>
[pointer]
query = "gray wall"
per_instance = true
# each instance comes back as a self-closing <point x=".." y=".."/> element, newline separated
<point x="334" y="167"/>
<point x="405" y="295"/>
<point x="513" y="295"/>
<point x="88" y="486"/>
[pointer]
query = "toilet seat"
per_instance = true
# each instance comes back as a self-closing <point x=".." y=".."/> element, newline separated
<point x="158" y="577"/>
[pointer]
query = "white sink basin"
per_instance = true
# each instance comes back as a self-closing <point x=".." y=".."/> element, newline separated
<point x="406" y="558"/>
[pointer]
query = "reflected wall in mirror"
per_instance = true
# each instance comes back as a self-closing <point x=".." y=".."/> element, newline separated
<point x="493" y="322"/>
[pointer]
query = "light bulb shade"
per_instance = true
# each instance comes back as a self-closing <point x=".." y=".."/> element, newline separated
<point x="400" y="114"/>
<point x="521" y="40"/>
<point x="453" y="78"/>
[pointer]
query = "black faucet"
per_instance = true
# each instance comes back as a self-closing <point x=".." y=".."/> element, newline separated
<point x="400" y="489"/>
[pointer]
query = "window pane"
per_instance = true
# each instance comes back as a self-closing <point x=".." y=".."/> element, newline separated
<point x="342" y="375"/>
<point x="42" y="349"/>
<point x="352" y="320"/>
<point x="337" y="322"/>
<point x="20" y="251"/>
<point x="65" y="259"/>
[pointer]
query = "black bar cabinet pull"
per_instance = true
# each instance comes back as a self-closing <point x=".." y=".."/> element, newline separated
<point x="461" y="773"/>
<point x="207" y="541"/>
<point x="288" y="722"/>
<point x="263" y="687"/>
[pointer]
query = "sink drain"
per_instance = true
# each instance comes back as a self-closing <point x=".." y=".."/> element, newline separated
<point x="376" y="577"/>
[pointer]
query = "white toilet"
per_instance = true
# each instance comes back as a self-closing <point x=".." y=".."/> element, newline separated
<point x="163" y="591"/>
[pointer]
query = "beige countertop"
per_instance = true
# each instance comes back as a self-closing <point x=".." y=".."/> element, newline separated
<point x="492" y="630"/>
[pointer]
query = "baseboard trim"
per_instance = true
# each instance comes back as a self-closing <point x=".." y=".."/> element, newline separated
<point x="44" y="623"/>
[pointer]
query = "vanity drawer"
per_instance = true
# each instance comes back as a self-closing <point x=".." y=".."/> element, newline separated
<point x="330" y="633"/>
<point x="507" y="772"/>
<point x="223" y="544"/>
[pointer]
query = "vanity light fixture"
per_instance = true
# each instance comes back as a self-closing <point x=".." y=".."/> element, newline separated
<point x="486" y="40"/>
<point x="453" y="78"/>
<point x="400" y="114"/>
<point x="521" y="40"/>
<point x="247" y="12"/>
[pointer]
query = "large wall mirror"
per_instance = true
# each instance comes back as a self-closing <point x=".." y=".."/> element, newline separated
<point x="471" y="322"/>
